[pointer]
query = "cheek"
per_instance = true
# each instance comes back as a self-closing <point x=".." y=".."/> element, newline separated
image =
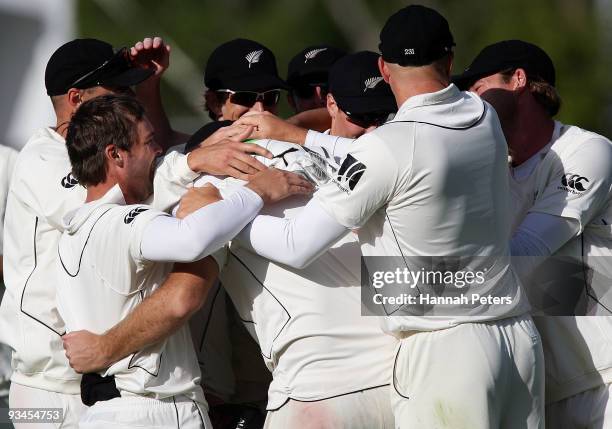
<point x="234" y="111"/>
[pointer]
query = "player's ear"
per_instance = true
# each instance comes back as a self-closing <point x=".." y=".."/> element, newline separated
<point x="332" y="107"/>
<point x="113" y="156"/>
<point x="383" y="68"/>
<point x="74" y="98"/>
<point x="519" y="80"/>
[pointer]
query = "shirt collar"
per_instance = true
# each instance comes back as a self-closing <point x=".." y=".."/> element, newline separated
<point x="444" y="95"/>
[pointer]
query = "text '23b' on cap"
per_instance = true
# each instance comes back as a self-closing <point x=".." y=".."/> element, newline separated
<point x="85" y="63"/>
<point x="508" y="54"/>
<point x="415" y="36"/>
<point x="242" y="65"/>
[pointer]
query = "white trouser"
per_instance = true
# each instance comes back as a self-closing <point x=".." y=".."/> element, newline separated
<point x="591" y="409"/>
<point x="474" y="375"/>
<point x="129" y="412"/>
<point x="366" y="409"/>
<point x="21" y="396"/>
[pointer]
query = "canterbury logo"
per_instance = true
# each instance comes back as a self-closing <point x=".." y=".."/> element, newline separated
<point x="311" y="54"/>
<point x="133" y="213"/>
<point x="371" y="83"/>
<point x="350" y="172"/>
<point x="69" y="181"/>
<point x="253" y="57"/>
<point x="574" y="182"/>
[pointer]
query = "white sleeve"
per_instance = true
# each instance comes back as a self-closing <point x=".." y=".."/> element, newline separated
<point x="294" y="241"/>
<point x="537" y="237"/>
<point x="201" y="233"/>
<point x="337" y="147"/>
<point x="172" y="179"/>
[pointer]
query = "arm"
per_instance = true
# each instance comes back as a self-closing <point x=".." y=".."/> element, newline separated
<point x="337" y="147"/>
<point x="153" y="320"/>
<point x="153" y="53"/>
<point x="537" y="237"/>
<point x="291" y="241"/>
<point x="314" y="119"/>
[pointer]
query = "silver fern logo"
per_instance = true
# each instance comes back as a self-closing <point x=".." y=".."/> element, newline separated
<point x="371" y="83"/>
<point x="311" y="54"/>
<point x="253" y="57"/>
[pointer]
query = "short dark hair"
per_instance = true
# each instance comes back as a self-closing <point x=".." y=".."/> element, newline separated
<point x="545" y="94"/>
<point x="97" y="123"/>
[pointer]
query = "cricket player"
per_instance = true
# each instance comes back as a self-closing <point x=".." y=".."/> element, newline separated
<point x="560" y="182"/>
<point x="108" y="252"/>
<point x="307" y="322"/>
<point x="308" y="75"/>
<point x="431" y="182"/>
<point x="42" y="191"/>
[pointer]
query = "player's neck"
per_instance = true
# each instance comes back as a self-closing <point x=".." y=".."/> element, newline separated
<point x="411" y="89"/>
<point x="530" y="131"/>
<point x="96" y="192"/>
<point x="63" y="120"/>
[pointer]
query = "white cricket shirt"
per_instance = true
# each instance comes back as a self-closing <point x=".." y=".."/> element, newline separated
<point x="573" y="179"/>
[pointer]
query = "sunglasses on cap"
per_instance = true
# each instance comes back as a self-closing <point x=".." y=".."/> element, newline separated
<point x="249" y="98"/>
<point x="118" y="63"/>
<point x="366" y="120"/>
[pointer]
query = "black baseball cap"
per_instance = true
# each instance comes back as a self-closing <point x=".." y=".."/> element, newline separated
<point x="357" y="86"/>
<point x="415" y="36"/>
<point x="311" y="65"/>
<point x="242" y="65"/>
<point x="85" y="63"/>
<point x="508" y="54"/>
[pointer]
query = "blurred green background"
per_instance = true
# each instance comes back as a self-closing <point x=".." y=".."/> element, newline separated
<point x="576" y="34"/>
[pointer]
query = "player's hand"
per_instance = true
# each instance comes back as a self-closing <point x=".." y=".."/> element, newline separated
<point x="86" y="351"/>
<point x="196" y="198"/>
<point x="266" y="125"/>
<point x="273" y="185"/>
<point x="228" y="158"/>
<point x="151" y="53"/>
<point x="234" y="132"/>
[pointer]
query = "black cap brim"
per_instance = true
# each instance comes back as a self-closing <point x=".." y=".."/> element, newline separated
<point x="262" y="82"/>
<point x="361" y="104"/>
<point x="129" y="77"/>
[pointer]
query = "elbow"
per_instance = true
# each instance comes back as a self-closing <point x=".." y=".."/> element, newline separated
<point x="184" y="305"/>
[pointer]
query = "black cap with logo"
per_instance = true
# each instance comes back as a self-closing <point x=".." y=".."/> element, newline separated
<point x="242" y="65"/>
<point x="357" y="86"/>
<point x="311" y="65"/>
<point x="508" y="54"/>
<point x="85" y="63"/>
<point x="415" y="36"/>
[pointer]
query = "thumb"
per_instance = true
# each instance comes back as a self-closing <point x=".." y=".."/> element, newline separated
<point x="244" y="133"/>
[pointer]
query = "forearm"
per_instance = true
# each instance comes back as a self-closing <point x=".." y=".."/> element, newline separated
<point x="161" y="314"/>
<point x="336" y="146"/>
<point x="149" y="94"/>
<point x="202" y="232"/>
<point x="293" y="241"/>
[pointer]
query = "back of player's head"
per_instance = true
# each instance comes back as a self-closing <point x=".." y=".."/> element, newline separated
<point x="98" y="123"/>
<point x="415" y="36"/>
<point x="357" y="86"/>
<point x="85" y="63"/>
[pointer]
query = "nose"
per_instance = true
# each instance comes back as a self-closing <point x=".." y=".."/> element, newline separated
<point x="257" y="107"/>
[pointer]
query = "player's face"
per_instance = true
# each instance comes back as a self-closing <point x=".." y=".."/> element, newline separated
<point x="343" y="127"/>
<point x="233" y="111"/>
<point x="139" y="164"/>
<point x="499" y="93"/>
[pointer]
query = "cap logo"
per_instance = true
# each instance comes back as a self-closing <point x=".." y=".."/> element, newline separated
<point x="408" y="51"/>
<point x="311" y="54"/>
<point x="253" y="57"/>
<point x="372" y="82"/>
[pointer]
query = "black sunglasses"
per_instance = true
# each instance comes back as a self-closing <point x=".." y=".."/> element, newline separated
<point x="249" y="98"/>
<point x="119" y="62"/>
<point x="366" y="120"/>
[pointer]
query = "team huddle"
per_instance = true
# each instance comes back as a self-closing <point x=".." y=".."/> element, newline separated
<point x="249" y="275"/>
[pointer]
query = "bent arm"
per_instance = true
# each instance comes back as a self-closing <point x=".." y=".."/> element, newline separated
<point x="338" y="147"/>
<point x="202" y="232"/>
<point x="153" y="320"/>
<point x="295" y="242"/>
